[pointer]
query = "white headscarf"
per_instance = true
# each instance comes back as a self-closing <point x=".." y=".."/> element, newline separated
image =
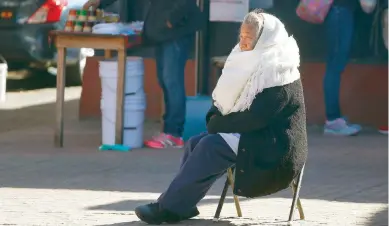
<point x="274" y="61"/>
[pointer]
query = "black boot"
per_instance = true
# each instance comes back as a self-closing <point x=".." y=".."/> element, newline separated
<point x="193" y="213"/>
<point x="154" y="214"/>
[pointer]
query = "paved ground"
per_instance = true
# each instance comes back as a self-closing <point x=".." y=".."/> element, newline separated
<point x="346" y="180"/>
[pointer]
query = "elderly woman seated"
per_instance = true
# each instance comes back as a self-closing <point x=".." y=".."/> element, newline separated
<point x="257" y="124"/>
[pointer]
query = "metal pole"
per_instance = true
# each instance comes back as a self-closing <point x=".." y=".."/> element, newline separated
<point x="202" y="51"/>
<point x="205" y="49"/>
<point x="198" y="53"/>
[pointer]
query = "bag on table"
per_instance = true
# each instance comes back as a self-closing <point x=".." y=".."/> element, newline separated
<point x="314" y="11"/>
<point x="368" y="6"/>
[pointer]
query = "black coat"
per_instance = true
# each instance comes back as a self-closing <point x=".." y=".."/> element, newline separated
<point x="273" y="143"/>
<point x="184" y="15"/>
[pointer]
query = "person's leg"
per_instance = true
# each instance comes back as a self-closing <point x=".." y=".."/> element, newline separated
<point x="176" y="53"/>
<point x="159" y="59"/>
<point x="211" y="157"/>
<point x="172" y="76"/>
<point x="339" y="37"/>
<point x="339" y="31"/>
<point x="161" y="140"/>
<point x="190" y="146"/>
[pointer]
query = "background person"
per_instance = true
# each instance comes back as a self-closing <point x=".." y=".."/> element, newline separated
<point x="339" y="30"/>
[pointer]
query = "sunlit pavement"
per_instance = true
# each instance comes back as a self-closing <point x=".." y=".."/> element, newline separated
<point x="345" y="182"/>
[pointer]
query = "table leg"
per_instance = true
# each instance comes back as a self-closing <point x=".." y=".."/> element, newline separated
<point x="120" y="95"/>
<point x="107" y="54"/>
<point x="61" y="73"/>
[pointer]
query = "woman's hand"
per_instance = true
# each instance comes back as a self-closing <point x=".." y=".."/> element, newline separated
<point x="210" y="119"/>
<point x="91" y="4"/>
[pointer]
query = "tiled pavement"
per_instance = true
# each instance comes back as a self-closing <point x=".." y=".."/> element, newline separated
<point x="345" y="183"/>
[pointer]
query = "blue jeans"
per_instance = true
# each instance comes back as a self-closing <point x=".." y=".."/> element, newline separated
<point x="171" y="58"/>
<point x="339" y="31"/>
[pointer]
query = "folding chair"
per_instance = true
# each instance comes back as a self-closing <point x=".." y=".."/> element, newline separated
<point x="295" y="185"/>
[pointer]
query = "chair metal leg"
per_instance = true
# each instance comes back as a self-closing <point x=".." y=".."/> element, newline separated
<point x="299" y="205"/>
<point x="221" y="201"/>
<point x="229" y="182"/>
<point x="230" y="178"/>
<point x="296" y="199"/>
<point x="296" y="186"/>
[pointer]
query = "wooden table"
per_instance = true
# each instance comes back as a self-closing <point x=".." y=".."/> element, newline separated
<point x="120" y="43"/>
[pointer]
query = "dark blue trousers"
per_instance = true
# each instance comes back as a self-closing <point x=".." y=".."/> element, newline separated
<point x="339" y="29"/>
<point x="206" y="158"/>
<point x="171" y="58"/>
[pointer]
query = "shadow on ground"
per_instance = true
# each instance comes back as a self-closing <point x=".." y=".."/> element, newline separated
<point x="207" y="222"/>
<point x="130" y="205"/>
<point x="23" y="88"/>
<point x="33" y="116"/>
<point x="379" y="219"/>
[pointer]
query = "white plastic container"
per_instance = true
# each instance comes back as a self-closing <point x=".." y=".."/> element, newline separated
<point x="3" y="79"/>
<point x="134" y="109"/>
<point x="111" y="101"/>
<point x="134" y="102"/>
<point x="134" y="76"/>
<point x="134" y="117"/>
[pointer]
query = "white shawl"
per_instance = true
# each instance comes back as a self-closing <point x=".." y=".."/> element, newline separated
<point x="274" y="61"/>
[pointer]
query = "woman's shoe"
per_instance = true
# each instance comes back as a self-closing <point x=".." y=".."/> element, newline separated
<point x="356" y="126"/>
<point x="154" y="214"/>
<point x="340" y="127"/>
<point x="164" y="140"/>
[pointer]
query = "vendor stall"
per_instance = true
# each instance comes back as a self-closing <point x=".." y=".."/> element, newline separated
<point x="108" y="42"/>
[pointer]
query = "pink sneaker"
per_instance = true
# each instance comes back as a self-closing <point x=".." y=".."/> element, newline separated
<point x="383" y="130"/>
<point x="164" y="140"/>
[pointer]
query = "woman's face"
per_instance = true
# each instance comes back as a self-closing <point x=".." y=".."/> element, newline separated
<point x="247" y="37"/>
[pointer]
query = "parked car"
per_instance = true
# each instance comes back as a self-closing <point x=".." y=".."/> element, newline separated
<point x="24" y="29"/>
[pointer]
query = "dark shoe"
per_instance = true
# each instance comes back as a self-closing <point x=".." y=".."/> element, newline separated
<point x="154" y="214"/>
<point x="193" y="213"/>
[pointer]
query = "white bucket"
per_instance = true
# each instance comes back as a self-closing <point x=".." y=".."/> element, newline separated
<point x="134" y="84"/>
<point x="133" y="121"/>
<point x="134" y="77"/>
<point x="132" y="63"/>
<point x="3" y="79"/>
<point x="110" y="101"/>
